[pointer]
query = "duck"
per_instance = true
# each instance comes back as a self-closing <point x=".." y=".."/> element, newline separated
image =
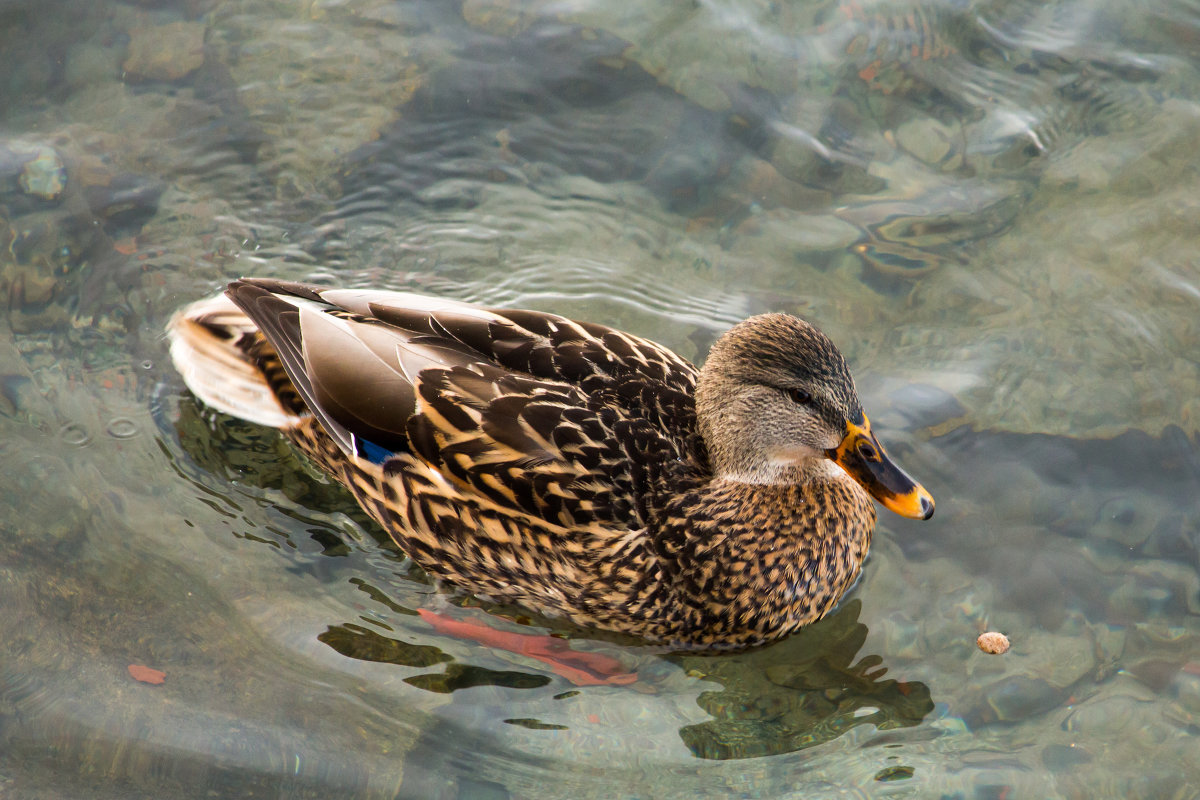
<point x="566" y="467"/>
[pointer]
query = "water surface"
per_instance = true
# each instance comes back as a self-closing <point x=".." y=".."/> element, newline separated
<point x="991" y="207"/>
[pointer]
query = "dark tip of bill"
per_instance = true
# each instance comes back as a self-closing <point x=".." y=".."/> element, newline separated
<point x="926" y="508"/>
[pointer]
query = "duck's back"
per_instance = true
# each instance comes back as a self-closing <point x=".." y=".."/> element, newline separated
<point x="555" y="436"/>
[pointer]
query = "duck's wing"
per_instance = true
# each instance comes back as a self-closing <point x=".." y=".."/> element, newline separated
<point x="353" y="374"/>
<point x="566" y="421"/>
<point x="546" y="448"/>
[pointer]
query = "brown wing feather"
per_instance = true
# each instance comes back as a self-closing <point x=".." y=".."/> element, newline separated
<point x="571" y="422"/>
<point x="279" y="322"/>
<point x="545" y="448"/>
<point x="354" y="373"/>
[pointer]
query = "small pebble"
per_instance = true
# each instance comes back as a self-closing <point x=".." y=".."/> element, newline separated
<point x="993" y="643"/>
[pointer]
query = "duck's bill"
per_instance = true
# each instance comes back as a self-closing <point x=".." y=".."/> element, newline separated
<point x="863" y="457"/>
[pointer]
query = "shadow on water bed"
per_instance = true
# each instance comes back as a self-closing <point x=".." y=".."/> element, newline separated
<point x="563" y="98"/>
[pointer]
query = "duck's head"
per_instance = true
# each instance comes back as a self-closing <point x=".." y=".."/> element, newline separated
<point x="775" y="403"/>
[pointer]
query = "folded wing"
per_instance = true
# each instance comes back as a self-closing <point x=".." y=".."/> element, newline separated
<point x="568" y="422"/>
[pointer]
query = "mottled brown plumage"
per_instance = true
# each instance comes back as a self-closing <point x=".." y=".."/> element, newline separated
<point x="568" y="467"/>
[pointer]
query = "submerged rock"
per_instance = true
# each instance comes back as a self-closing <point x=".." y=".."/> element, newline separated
<point x="36" y="169"/>
<point x="164" y="52"/>
<point x="66" y="216"/>
<point x="993" y="643"/>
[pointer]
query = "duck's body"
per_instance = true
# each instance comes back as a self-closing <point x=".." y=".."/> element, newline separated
<point x="563" y="466"/>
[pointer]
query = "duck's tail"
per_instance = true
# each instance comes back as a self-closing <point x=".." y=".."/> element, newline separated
<point x="220" y="354"/>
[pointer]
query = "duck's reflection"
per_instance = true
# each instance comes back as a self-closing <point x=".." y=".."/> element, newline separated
<point x="355" y="641"/>
<point x="801" y="692"/>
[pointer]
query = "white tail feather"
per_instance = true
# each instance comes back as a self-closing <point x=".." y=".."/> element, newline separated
<point x="215" y="370"/>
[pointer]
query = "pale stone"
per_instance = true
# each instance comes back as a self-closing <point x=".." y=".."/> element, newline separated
<point x="993" y="643"/>
<point x="164" y="52"/>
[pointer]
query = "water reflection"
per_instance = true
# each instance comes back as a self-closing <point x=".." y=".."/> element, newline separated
<point x="800" y="693"/>
<point x="228" y="450"/>
<point x="779" y="699"/>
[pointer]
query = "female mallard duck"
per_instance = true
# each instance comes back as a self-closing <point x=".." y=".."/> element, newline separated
<point x="571" y="468"/>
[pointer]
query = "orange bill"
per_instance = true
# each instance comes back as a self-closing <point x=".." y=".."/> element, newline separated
<point x="863" y="457"/>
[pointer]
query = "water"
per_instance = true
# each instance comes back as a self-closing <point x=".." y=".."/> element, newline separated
<point x="990" y="206"/>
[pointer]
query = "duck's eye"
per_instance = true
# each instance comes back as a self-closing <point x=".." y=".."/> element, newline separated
<point x="799" y="396"/>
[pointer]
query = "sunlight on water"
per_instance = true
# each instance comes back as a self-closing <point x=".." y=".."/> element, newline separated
<point x="990" y="206"/>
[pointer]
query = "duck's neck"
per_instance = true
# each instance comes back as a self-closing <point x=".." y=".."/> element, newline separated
<point x="780" y="472"/>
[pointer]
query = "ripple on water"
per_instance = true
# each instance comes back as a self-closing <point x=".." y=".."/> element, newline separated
<point x="74" y="434"/>
<point x="26" y="692"/>
<point x="583" y="281"/>
<point x="122" y="428"/>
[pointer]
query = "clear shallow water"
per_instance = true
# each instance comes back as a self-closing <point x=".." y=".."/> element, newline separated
<point x="990" y="206"/>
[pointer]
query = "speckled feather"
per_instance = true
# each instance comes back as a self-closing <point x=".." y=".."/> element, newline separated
<point x="559" y="465"/>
